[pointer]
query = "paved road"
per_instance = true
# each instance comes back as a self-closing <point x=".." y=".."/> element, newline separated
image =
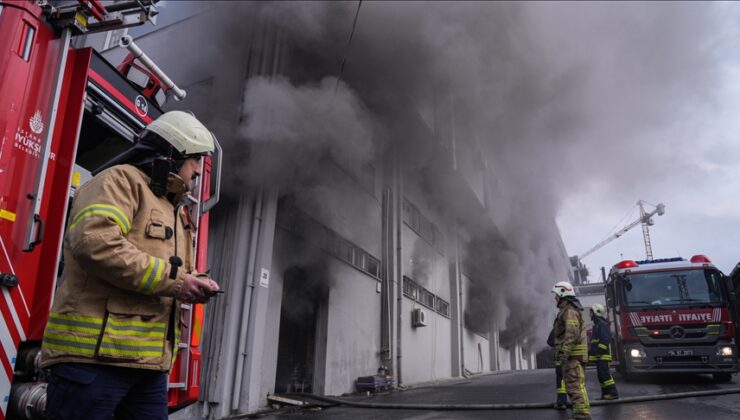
<point x="536" y="387"/>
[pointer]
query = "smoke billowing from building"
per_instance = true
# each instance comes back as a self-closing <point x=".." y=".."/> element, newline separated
<point x="550" y="92"/>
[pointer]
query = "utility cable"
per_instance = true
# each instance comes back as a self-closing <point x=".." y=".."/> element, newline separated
<point x="349" y="44"/>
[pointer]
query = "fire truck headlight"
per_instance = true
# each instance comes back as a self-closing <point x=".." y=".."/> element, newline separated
<point x="725" y="351"/>
<point x="638" y="353"/>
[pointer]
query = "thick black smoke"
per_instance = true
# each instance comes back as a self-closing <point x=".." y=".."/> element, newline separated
<point x="559" y="97"/>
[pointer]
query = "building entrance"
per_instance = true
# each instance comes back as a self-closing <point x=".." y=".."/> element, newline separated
<point x="302" y="342"/>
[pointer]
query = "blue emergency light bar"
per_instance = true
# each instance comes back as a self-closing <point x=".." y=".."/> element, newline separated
<point x="660" y="260"/>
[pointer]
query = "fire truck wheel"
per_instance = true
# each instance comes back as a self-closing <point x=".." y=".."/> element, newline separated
<point x="722" y="377"/>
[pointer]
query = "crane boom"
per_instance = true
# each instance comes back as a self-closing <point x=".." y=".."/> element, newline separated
<point x="644" y="219"/>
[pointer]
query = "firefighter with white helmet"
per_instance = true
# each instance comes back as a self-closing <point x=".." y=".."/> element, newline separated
<point x="114" y="327"/>
<point x="571" y="346"/>
<point x="600" y="352"/>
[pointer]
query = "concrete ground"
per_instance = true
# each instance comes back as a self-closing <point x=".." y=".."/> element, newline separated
<point x="536" y="387"/>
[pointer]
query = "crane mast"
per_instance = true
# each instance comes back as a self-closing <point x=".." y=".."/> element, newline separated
<point x="645" y="219"/>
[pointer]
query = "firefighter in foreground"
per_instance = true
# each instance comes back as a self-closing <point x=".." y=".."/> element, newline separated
<point x="114" y="325"/>
<point x="600" y="352"/>
<point x="561" y="403"/>
<point x="571" y="347"/>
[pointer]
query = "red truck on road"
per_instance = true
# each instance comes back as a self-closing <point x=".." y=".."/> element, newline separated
<point x="672" y="316"/>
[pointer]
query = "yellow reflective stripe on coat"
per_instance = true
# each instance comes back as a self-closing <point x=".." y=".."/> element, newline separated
<point x="114" y="346"/>
<point x="74" y="323"/>
<point x="136" y="328"/>
<point x="106" y="210"/>
<point x="578" y="350"/>
<point x="74" y="334"/>
<point x="70" y="343"/>
<point x="152" y="275"/>
<point x="603" y="346"/>
<point x="573" y="322"/>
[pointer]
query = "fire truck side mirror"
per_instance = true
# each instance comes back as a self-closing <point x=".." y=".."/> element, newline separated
<point x="730" y="288"/>
<point x="216" y="191"/>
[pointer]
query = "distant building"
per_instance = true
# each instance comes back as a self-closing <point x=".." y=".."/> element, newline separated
<point x="580" y="271"/>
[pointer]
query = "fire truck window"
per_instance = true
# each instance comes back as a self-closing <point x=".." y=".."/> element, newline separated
<point x="98" y="143"/>
<point x="683" y="287"/>
<point x="28" y="42"/>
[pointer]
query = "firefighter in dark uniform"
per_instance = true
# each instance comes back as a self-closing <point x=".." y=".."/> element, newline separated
<point x="571" y="347"/>
<point x="561" y="403"/>
<point x="600" y="352"/>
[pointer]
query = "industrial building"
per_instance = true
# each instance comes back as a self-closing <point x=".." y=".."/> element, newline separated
<point x="338" y="264"/>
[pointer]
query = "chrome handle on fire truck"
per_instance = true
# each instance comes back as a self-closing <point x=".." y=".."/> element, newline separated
<point x="128" y="43"/>
<point x="213" y="200"/>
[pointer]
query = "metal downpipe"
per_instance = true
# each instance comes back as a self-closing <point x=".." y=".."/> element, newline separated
<point x="247" y="298"/>
<point x="398" y="217"/>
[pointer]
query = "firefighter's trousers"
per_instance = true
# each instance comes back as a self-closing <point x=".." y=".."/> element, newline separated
<point x="575" y="385"/>
<point x="560" y="385"/>
<point x="608" y="386"/>
<point x="95" y="392"/>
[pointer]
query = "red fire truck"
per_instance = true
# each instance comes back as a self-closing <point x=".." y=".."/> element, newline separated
<point x="671" y="316"/>
<point x="64" y="111"/>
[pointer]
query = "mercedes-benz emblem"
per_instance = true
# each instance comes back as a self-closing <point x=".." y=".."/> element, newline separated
<point x="677" y="331"/>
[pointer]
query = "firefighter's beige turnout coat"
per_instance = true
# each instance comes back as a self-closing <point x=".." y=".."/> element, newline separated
<point x="570" y="333"/>
<point x="116" y="304"/>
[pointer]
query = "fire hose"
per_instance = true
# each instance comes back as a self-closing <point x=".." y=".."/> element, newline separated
<point x="514" y="406"/>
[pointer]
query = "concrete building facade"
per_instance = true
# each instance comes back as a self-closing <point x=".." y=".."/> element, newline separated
<point x="346" y="269"/>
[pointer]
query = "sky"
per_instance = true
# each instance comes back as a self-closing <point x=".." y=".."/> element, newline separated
<point x="691" y="163"/>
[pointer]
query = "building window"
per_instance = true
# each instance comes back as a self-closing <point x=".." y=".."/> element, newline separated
<point x="410" y="288"/>
<point x="423" y="226"/>
<point x="427" y="298"/>
<point x="442" y="307"/>
<point x="343" y="250"/>
<point x="421" y="295"/>
<point x="299" y="223"/>
<point x="371" y="265"/>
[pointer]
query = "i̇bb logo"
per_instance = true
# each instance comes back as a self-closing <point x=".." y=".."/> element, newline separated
<point x="142" y="107"/>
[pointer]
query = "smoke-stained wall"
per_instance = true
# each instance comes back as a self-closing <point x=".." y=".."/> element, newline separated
<point x="426" y="353"/>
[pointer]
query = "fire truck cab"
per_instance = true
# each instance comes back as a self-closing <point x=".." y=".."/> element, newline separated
<point x="64" y="112"/>
<point x="672" y="316"/>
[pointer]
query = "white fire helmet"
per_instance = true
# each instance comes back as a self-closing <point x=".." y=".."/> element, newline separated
<point x="563" y="289"/>
<point x="184" y="132"/>
<point x="598" y="310"/>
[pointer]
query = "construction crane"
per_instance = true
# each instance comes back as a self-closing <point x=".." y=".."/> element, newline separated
<point x="645" y="219"/>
